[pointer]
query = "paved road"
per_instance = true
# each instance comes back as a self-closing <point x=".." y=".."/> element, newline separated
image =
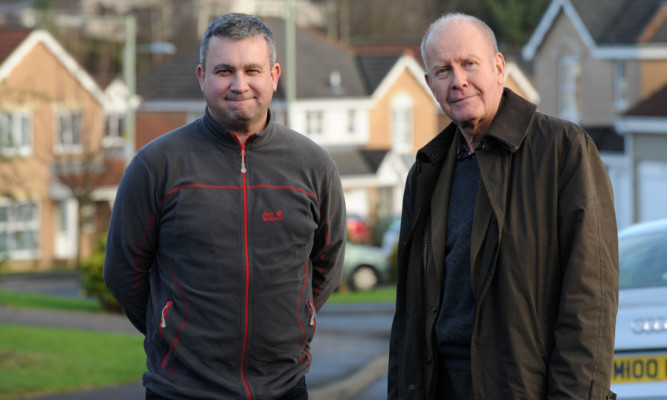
<point x="349" y="348"/>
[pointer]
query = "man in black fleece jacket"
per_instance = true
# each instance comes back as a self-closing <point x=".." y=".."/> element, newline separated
<point x="227" y="235"/>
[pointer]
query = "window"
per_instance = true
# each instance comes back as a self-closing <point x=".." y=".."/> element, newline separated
<point x="351" y="121"/>
<point x="570" y="88"/>
<point x="88" y="218"/>
<point x="19" y="229"/>
<point x="68" y="139"/>
<point x="314" y="123"/>
<point x="401" y="123"/>
<point x="114" y="129"/>
<point x="620" y="86"/>
<point x="16" y="133"/>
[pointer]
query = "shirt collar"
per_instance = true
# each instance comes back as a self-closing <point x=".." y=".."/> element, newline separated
<point x="462" y="152"/>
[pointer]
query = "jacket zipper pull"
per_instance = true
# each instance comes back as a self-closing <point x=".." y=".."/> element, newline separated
<point x="243" y="170"/>
<point x="312" y="313"/>
<point x="163" y="323"/>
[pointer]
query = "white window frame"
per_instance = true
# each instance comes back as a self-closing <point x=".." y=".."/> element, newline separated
<point x="620" y="85"/>
<point x="569" y="87"/>
<point x="16" y="133"/>
<point x="314" y="122"/>
<point x="114" y="129"/>
<point x="402" y="123"/>
<point x="351" y="121"/>
<point x="11" y="225"/>
<point x="67" y="141"/>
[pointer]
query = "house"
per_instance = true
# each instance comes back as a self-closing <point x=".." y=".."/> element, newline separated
<point x="594" y="61"/>
<point x="51" y="130"/>
<point x="370" y="111"/>
<point x="644" y="127"/>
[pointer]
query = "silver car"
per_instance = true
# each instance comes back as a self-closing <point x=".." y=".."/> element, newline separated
<point x="365" y="267"/>
<point x="640" y="359"/>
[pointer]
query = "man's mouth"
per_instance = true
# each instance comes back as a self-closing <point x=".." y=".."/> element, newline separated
<point x="459" y="99"/>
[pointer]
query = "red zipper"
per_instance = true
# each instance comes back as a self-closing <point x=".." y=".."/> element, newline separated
<point x="247" y="263"/>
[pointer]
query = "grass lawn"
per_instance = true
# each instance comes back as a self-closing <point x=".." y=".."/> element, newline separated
<point x="33" y="300"/>
<point x="385" y="294"/>
<point x="48" y="360"/>
<point x="37" y="361"/>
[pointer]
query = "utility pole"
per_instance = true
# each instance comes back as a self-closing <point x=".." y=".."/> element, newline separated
<point x="290" y="59"/>
<point x="129" y="75"/>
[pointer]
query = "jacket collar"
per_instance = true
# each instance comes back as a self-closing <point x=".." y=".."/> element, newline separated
<point x="508" y="128"/>
<point x="228" y="139"/>
<point x="510" y="125"/>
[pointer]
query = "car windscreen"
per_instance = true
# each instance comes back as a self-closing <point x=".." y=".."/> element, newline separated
<point x="643" y="260"/>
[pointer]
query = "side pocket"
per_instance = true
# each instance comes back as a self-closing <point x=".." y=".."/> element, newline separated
<point x="598" y="392"/>
<point x="163" y="324"/>
<point x="305" y="356"/>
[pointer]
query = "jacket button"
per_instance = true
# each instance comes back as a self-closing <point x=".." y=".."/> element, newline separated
<point x="412" y="387"/>
<point x="434" y="308"/>
<point x="428" y="359"/>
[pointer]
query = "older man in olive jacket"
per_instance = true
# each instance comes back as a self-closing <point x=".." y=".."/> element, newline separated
<point x="543" y="260"/>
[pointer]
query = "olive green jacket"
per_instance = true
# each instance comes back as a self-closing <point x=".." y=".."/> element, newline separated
<point x="544" y="263"/>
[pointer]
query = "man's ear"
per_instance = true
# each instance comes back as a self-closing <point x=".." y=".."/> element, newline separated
<point x="200" y="76"/>
<point x="275" y="74"/>
<point x="499" y="63"/>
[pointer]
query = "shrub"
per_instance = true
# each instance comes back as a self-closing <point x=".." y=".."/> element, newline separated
<point x="93" y="279"/>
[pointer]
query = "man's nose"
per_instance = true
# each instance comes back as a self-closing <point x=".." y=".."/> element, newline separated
<point x="459" y="78"/>
<point x="239" y="82"/>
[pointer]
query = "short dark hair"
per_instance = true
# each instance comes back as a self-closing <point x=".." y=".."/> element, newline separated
<point x="237" y="26"/>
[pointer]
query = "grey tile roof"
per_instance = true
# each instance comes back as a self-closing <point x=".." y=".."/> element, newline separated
<point x="374" y="68"/>
<point x="317" y="57"/>
<point x="614" y="22"/>
<point x="173" y="80"/>
<point x="661" y="35"/>
<point x="606" y="138"/>
<point x="352" y="162"/>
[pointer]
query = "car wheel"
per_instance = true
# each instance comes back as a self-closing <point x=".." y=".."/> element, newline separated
<point x="364" y="278"/>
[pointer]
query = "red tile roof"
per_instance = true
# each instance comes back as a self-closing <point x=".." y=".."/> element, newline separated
<point x="653" y="106"/>
<point x="10" y="39"/>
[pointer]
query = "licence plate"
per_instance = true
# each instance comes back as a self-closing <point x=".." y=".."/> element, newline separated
<point x="639" y="369"/>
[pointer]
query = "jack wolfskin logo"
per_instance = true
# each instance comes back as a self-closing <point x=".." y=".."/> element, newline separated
<point x="270" y="216"/>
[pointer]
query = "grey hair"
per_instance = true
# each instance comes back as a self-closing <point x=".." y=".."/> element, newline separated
<point x="483" y="27"/>
<point x="237" y="26"/>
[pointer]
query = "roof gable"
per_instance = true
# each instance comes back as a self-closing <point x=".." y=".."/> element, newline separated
<point x="617" y="35"/>
<point x="404" y="63"/>
<point x="15" y="47"/>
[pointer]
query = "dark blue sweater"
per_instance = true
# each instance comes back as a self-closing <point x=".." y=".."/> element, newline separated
<point x="457" y="313"/>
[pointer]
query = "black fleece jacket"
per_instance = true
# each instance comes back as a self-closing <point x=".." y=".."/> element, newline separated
<point x="221" y="252"/>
